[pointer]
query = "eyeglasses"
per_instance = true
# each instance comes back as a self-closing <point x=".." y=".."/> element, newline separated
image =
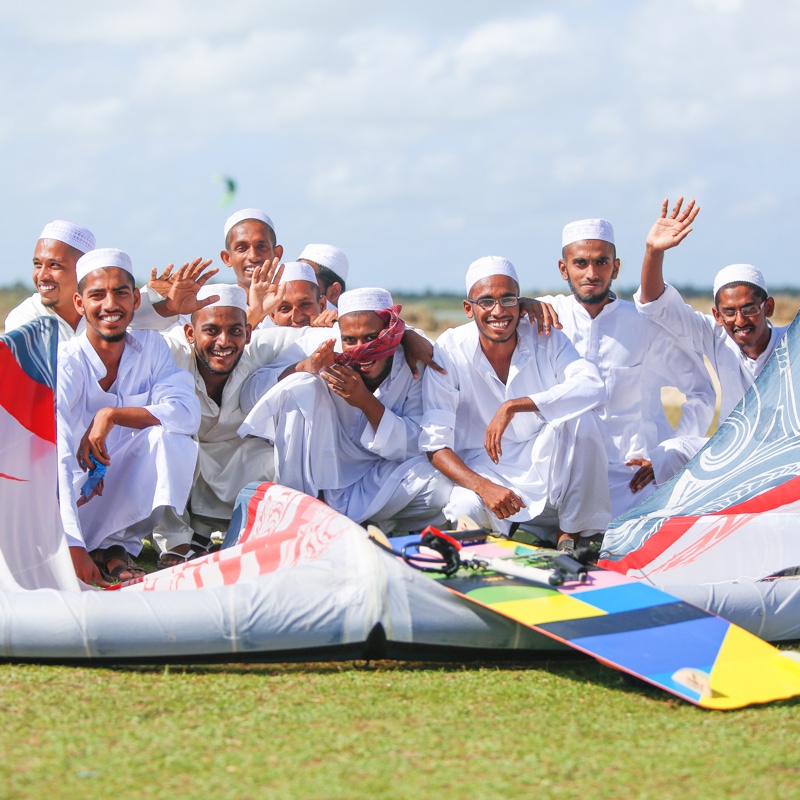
<point x="746" y="311"/>
<point x="488" y="303"/>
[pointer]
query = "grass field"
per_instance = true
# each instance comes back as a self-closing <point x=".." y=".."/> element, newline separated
<point x="562" y="728"/>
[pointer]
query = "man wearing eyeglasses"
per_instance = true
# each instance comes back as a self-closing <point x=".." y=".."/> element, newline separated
<point x="635" y="360"/>
<point x="512" y="422"/>
<point x="738" y="337"/>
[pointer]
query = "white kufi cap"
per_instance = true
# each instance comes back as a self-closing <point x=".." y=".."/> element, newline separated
<point x="247" y="213"/>
<point x="739" y="273"/>
<point x="101" y="258"/>
<point x="68" y="232"/>
<point x="486" y="267"/>
<point x="298" y="271"/>
<point x="326" y="255"/>
<point x="364" y="300"/>
<point x="584" y="229"/>
<point x="230" y="295"/>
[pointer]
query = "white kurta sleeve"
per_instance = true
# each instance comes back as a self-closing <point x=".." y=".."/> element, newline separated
<point x="579" y="389"/>
<point x="686" y="371"/>
<point x="68" y="424"/>
<point x="397" y="437"/>
<point x="440" y="396"/>
<point x="173" y="399"/>
<point x="266" y="378"/>
<point x="146" y="317"/>
<point x="695" y="329"/>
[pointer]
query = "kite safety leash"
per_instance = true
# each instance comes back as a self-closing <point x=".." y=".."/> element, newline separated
<point x="450" y="557"/>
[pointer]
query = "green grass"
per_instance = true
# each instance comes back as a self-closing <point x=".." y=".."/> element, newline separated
<point x="561" y="728"/>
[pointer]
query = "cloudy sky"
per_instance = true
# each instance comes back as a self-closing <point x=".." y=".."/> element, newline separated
<point x="417" y="136"/>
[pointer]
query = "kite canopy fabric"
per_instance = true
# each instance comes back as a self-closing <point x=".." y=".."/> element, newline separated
<point x="733" y="513"/>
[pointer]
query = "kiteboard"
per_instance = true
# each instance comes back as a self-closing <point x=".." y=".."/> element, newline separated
<point x="623" y="623"/>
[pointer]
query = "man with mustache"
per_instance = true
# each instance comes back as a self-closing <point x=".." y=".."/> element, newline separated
<point x="737" y="337"/>
<point x="635" y="360"/>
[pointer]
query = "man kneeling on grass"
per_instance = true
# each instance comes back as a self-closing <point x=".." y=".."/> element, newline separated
<point x="123" y="405"/>
<point x="513" y="422"/>
<point x="347" y="423"/>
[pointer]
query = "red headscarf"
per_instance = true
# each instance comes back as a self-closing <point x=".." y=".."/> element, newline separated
<point x="384" y="346"/>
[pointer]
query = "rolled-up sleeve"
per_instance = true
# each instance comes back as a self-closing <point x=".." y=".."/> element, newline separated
<point x="440" y="397"/>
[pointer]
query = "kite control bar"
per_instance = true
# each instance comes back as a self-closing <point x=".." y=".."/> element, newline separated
<point x="451" y="557"/>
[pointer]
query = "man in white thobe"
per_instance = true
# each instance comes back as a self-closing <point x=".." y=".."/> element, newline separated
<point x="218" y="349"/>
<point x="738" y="337"/>
<point x="347" y="425"/>
<point x="635" y="359"/>
<point x="57" y="251"/>
<point x="123" y="405"/>
<point x="513" y="422"/>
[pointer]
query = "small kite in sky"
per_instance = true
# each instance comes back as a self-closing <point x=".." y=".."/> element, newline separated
<point x="230" y="189"/>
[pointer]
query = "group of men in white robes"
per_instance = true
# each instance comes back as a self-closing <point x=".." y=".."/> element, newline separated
<point x="539" y="416"/>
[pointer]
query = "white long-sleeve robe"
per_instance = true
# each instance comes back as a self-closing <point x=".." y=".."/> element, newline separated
<point x="322" y="443"/>
<point x="150" y="468"/>
<point x="736" y="372"/>
<point x="226" y="462"/>
<point x="635" y="359"/>
<point x="541" y="459"/>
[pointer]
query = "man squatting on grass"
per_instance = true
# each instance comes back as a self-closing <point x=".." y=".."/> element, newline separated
<point x="344" y="415"/>
<point x="513" y="422"/>
<point x="124" y="404"/>
<point x="510" y="431"/>
<point x="635" y="359"/>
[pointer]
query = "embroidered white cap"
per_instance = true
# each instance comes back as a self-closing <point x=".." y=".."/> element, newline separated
<point x="100" y="259"/>
<point x="247" y="213"/>
<point x="371" y="299"/>
<point x="486" y="267"/>
<point x="326" y="255"/>
<point x="230" y="295"/>
<point x="585" y="229"/>
<point x="68" y="232"/>
<point x="298" y="271"/>
<point x="739" y="273"/>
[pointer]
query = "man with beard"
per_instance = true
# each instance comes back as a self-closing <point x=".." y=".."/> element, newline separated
<point x="737" y="337"/>
<point x="635" y="360"/>
<point x="126" y="410"/>
<point x="219" y="351"/>
<point x="513" y="421"/>
<point x="344" y="417"/>
<point x="302" y="301"/>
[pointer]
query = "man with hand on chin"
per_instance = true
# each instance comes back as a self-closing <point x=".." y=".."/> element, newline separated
<point x="346" y="424"/>
<point x="121" y="403"/>
<point x="513" y="421"/>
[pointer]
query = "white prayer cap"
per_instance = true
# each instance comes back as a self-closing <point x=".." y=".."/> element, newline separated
<point x="486" y="267"/>
<point x="364" y="300"/>
<point x="230" y="295"/>
<point x="326" y="255"/>
<point x="739" y="273"/>
<point x="298" y="271"/>
<point x="68" y="232"/>
<point x="247" y="213"/>
<point x="584" y="229"/>
<point x="101" y="258"/>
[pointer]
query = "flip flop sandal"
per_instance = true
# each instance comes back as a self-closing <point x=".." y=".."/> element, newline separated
<point x="117" y="552"/>
<point x="203" y="546"/>
<point x="174" y="558"/>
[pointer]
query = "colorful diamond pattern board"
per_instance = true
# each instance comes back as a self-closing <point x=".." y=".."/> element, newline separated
<point x="638" y="629"/>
